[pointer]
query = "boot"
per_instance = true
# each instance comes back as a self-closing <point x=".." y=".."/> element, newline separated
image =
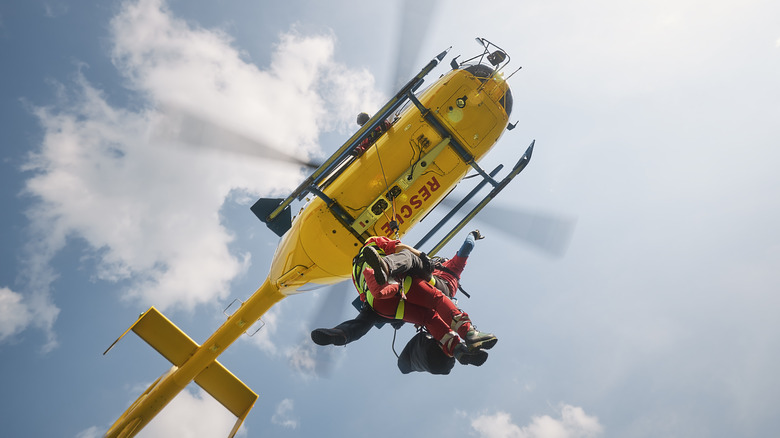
<point x="377" y="264"/>
<point x="477" y="339"/>
<point x="468" y="356"/>
<point x="332" y="336"/>
<point x="474" y="338"/>
<point x="454" y="347"/>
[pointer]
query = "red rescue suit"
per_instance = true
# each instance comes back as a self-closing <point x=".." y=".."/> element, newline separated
<point x="424" y="305"/>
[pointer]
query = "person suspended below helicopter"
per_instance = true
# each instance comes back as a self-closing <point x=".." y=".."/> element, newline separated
<point x="397" y="282"/>
<point x="380" y="129"/>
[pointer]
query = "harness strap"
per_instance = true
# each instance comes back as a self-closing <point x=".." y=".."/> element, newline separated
<point x="358" y="266"/>
<point x="441" y="267"/>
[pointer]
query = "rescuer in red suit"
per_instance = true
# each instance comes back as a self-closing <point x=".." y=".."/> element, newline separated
<point x="362" y="118"/>
<point x="396" y="281"/>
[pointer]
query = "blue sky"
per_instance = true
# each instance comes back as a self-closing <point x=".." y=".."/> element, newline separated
<point x="657" y="127"/>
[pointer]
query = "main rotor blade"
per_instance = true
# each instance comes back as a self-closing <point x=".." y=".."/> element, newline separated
<point x="413" y="25"/>
<point x="547" y="232"/>
<point x="321" y="360"/>
<point x="184" y="127"/>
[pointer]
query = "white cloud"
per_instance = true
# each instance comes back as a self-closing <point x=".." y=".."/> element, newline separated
<point x="148" y="205"/>
<point x="309" y="360"/>
<point x="302" y="358"/>
<point x="573" y="423"/>
<point x="289" y="339"/>
<point x="264" y="338"/>
<point x="92" y="432"/>
<point x="283" y="416"/>
<point x="192" y="415"/>
<point x="15" y="316"/>
<point x="149" y="211"/>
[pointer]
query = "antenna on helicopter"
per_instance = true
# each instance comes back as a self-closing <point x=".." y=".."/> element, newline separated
<point x="513" y="73"/>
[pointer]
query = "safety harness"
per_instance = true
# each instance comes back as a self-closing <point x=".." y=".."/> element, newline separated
<point x="359" y="265"/>
<point x="439" y="266"/>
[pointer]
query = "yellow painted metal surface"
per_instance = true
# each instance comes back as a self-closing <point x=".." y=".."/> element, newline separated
<point x="236" y="396"/>
<point x="227" y="389"/>
<point x="319" y="248"/>
<point x="163" y="335"/>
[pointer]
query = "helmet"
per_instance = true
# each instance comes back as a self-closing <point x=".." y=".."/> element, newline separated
<point x="362" y="118"/>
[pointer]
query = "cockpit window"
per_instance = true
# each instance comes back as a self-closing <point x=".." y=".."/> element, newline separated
<point x="506" y="102"/>
<point x="483" y="73"/>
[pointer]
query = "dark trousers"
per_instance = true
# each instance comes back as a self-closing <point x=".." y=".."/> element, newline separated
<point x="405" y="263"/>
<point x="355" y="329"/>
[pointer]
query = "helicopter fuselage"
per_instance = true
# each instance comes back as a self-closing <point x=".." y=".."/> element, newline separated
<point x="397" y="181"/>
<point x="432" y="143"/>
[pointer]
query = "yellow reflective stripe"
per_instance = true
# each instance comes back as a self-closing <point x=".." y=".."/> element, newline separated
<point x="399" y="312"/>
<point x="357" y="277"/>
<point x="362" y="287"/>
<point x="357" y="273"/>
<point x="407" y="283"/>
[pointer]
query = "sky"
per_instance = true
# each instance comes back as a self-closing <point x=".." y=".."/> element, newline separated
<point x="656" y="128"/>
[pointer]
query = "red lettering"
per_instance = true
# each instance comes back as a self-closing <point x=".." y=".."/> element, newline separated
<point x="434" y="184"/>
<point x="424" y="193"/>
<point x="387" y="230"/>
<point x="415" y="201"/>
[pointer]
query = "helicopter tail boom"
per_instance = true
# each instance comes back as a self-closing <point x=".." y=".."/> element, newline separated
<point x="171" y="342"/>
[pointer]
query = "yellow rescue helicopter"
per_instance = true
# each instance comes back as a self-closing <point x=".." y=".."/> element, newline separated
<point x="418" y="147"/>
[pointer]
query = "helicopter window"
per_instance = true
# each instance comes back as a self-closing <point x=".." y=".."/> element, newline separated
<point x="506" y="102"/>
<point x="481" y="71"/>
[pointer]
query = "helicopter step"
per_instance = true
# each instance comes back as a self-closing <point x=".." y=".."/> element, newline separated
<point x="498" y="186"/>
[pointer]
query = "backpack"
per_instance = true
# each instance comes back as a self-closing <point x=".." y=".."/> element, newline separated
<point x="423" y="353"/>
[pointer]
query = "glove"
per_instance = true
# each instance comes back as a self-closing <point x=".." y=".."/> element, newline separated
<point x="428" y="266"/>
